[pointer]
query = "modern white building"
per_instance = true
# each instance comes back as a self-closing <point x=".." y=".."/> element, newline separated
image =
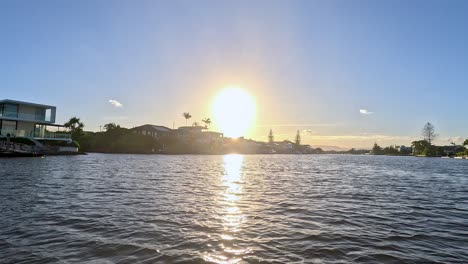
<point x="24" y="119"/>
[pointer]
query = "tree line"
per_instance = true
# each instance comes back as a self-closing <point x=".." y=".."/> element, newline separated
<point x="423" y="147"/>
<point x="114" y="139"/>
<point x="117" y="139"/>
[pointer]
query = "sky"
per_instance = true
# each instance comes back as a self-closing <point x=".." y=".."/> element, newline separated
<point x="344" y="73"/>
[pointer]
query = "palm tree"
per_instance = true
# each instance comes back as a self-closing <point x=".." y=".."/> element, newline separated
<point x="76" y="127"/>
<point x="195" y="124"/>
<point x="74" y="123"/>
<point x="187" y="116"/>
<point x="207" y="122"/>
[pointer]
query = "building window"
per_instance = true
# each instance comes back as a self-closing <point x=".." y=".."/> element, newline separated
<point x="10" y="110"/>
<point x="48" y="115"/>
<point x="40" y="114"/>
<point x="39" y="130"/>
<point x="8" y="127"/>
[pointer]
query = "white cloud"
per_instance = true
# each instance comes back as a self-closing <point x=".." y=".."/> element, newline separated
<point x="365" y="112"/>
<point x="309" y="132"/>
<point x="115" y="103"/>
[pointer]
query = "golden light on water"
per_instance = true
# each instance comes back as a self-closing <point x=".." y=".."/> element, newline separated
<point x="234" y="111"/>
<point x="232" y="216"/>
<point x="231" y="180"/>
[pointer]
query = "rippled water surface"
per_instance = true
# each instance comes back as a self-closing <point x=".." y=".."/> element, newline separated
<point x="233" y="209"/>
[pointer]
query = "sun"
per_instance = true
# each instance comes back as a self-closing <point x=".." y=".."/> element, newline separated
<point x="233" y="111"/>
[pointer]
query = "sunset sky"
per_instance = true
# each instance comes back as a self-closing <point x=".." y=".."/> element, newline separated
<point x="345" y="73"/>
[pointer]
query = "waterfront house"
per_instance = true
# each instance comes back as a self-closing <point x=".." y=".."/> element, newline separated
<point x="243" y="145"/>
<point x="404" y="150"/>
<point x="198" y="134"/>
<point x="211" y="136"/>
<point x="284" y="146"/>
<point x="30" y="120"/>
<point x="189" y="132"/>
<point x="154" y="131"/>
<point x="208" y="140"/>
<point x="452" y="150"/>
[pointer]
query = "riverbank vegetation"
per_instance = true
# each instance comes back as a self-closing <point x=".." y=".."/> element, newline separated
<point x="463" y="153"/>
<point x="116" y="139"/>
<point x="423" y="147"/>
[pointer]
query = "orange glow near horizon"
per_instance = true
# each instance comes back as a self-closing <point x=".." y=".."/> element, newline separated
<point x="234" y="112"/>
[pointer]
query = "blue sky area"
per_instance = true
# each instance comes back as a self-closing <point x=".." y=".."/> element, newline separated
<point x="310" y="65"/>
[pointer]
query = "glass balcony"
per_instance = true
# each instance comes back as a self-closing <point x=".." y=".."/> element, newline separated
<point x="27" y="117"/>
<point x="35" y="134"/>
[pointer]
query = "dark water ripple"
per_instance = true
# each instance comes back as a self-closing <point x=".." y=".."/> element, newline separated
<point x="233" y="209"/>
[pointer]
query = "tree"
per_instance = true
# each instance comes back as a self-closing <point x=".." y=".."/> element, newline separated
<point x="376" y="150"/>
<point x="391" y="150"/>
<point x="111" y="126"/>
<point x="429" y="133"/>
<point x="298" y="138"/>
<point x="76" y="127"/>
<point x="465" y="153"/>
<point x="271" y="138"/>
<point x="187" y="116"/>
<point x="195" y="124"/>
<point x="419" y="146"/>
<point x="207" y="122"/>
<point x="74" y="123"/>
<point x="430" y="151"/>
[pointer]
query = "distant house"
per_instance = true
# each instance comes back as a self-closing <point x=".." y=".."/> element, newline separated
<point x="189" y="131"/>
<point x="242" y="145"/>
<point x="211" y="136"/>
<point x="405" y="150"/>
<point x="153" y="131"/>
<point x="185" y="133"/>
<point x="283" y="146"/>
<point x="31" y="120"/>
<point x="198" y="134"/>
<point x="452" y="150"/>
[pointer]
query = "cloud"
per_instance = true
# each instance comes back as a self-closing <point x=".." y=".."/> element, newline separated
<point x="365" y="112"/>
<point x="309" y="132"/>
<point x="115" y="103"/>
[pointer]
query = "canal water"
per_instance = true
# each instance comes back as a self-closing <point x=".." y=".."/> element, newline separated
<point x="103" y="208"/>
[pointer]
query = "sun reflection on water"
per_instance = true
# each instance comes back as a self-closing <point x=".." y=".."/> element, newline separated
<point x="232" y="216"/>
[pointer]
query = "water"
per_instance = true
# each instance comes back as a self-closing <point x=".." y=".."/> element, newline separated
<point x="233" y="209"/>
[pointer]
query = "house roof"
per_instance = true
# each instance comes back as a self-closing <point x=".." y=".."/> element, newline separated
<point x="9" y="101"/>
<point x="192" y="127"/>
<point x="452" y="147"/>
<point x="212" y="132"/>
<point x="161" y="128"/>
<point x="155" y="127"/>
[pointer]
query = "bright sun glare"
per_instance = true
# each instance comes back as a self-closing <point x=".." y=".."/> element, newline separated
<point x="233" y="111"/>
